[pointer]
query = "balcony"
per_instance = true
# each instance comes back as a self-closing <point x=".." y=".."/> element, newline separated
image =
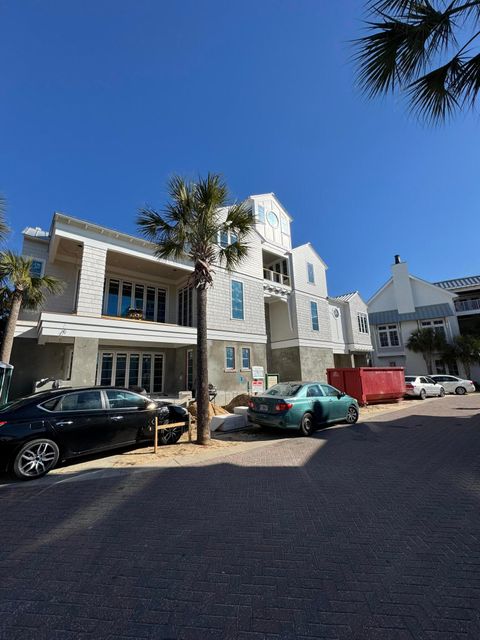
<point x="277" y="278"/>
<point x="468" y="306"/>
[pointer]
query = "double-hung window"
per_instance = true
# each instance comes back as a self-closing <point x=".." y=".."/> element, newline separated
<point x="362" y="322"/>
<point x="388" y="335"/>
<point x="37" y="268"/>
<point x="314" y="316"/>
<point x="237" y="300"/>
<point x="245" y="358"/>
<point x="230" y="358"/>
<point x="310" y="273"/>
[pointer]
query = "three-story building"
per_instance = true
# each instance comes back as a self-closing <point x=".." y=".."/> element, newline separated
<point x="128" y="318"/>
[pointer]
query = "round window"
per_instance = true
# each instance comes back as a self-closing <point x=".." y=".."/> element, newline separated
<point x="336" y="313"/>
<point x="272" y="219"/>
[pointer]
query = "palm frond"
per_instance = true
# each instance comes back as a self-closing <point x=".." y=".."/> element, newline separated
<point x="433" y="96"/>
<point x="4" y="229"/>
<point x="467" y="83"/>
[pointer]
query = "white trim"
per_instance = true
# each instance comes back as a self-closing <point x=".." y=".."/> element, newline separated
<point x="62" y="326"/>
<point x="26" y="329"/>
<point x="230" y="336"/>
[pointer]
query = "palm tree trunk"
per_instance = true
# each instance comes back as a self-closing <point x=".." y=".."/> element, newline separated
<point x="202" y="398"/>
<point x="7" y="344"/>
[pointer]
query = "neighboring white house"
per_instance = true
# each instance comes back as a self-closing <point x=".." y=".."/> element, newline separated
<point x="406" y="303"/>
<point x="273" y="312"/>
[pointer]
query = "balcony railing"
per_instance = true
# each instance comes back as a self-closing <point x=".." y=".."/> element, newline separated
<point x="278" y="278"/>
<point x="467" y="305"/>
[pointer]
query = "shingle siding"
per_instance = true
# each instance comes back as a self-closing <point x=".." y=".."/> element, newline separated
<point x="91" y="283"/>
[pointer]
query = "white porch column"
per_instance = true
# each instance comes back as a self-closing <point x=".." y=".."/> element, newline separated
<point x="91" y="281"/>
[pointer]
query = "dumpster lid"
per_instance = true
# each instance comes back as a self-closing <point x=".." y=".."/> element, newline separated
<point x="4" y="365"/>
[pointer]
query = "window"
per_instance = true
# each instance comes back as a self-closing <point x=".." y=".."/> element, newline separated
<point x="453" y="369"/>
<point x="230" y="358"/>
<point x="362" y="322"/>
<point x="131" y="370"/>
<point x="314" y="391"/>
<point x="126" y="302"/>
<point x="112" y="298"/>
<point x="125" y="400"/>
<point x="310" y="273"/>
<point x="226" y="238"/>
<point x="284" y="223"/>
<point x="189" y="370"/>
<point x="284" y="389"/>
<point x="392" y="363"/>
<point x="121" y="370"/>
<point x="329" y="391"/>
<point x="36" y="268"/>
<point x="437" y="325"/>
<point x="245" y="358"/>
<point x="83" y="401"/>
<point x="185" y="307"/>
<point x="314" y="316"/>
<point x="440" y="368"/>
<point x="260" y="214"/>
<point x="237" y="300"/>
<point x="121" y="296"/>
<point x="388" y="335"/>
<point x="223" y="239"/>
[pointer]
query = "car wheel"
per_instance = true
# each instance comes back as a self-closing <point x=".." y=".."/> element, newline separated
<point x="442" y="392"/>
<point x="35" y="459"/>
<point x="306" y="424"/>
<point x="460" y="391"/>
<point x="423" y="394"/>
<point x="169" y="436"/>
<point x="352" y="414"/>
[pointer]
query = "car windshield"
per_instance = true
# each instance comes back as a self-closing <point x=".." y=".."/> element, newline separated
<point x="410" y="378"/>
<point x="284" y="389"/>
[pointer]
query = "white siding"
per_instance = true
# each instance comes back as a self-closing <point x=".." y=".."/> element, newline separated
<point x="300" y="257"/>
<point x="304" y="318"/>
<point x="91" y="283"/>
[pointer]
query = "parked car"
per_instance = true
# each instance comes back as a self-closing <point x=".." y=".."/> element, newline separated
<point x="454" y="384"/>
<point x="39" y="430"/>
<point x="423" y="387"/>
<point x="303" y="406"/>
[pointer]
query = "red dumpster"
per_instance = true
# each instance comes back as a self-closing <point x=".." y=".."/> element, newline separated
<point x="370" y="385"/>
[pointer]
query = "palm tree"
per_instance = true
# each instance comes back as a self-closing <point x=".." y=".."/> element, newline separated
<point x="21" y="289"/>
<point x="3" y="225"/>
<point x="188" y="228"/>
<point x="466" y="349"/>
<point x="428" y="342"/>
<point x="428" y="49"/>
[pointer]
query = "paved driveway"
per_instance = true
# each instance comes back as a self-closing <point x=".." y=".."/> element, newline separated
<point x="370" y="531"/>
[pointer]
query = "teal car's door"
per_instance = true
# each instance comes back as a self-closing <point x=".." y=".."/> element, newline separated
<point x="338" y="405"/>
<point x="319" y="403"/>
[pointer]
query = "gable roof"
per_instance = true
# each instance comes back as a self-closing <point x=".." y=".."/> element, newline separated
<point x="272" y="195"/>
<point x="312" y="248"/>
<point x="344" y="297"/>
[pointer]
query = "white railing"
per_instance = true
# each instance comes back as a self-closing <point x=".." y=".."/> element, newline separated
<point x="467" y="305"/>
<point x="273" y="276"/>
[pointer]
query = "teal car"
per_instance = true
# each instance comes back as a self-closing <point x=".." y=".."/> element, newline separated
<point x="303" y="406"/>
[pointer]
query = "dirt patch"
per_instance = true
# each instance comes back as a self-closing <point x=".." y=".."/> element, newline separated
<point x="182" y="449"/>
<point x="213" y="410"/>
<point x="238" y="401"/>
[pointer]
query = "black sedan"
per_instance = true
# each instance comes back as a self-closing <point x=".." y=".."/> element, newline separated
<point x="38" y="431"/>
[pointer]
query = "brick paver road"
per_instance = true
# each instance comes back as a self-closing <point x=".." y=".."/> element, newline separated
<point x="364" y="532"/>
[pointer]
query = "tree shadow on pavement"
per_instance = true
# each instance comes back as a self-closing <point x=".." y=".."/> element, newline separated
<point x="306" y="538"/>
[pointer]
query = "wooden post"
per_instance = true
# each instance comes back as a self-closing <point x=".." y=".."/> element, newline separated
<point x="189" y="427"/>
<point x="155" y="442"/>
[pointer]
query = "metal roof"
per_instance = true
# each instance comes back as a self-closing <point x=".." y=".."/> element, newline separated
<point x="345" y="297"/>
<point x="459" y="283"/>
<point x="421" y="313"/>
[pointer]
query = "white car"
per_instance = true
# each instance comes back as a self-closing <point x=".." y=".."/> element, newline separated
<point x="454" y="384"/>
<point x="422" y="387"/>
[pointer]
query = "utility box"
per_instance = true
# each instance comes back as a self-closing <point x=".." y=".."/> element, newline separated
<point x="370" y="385"/>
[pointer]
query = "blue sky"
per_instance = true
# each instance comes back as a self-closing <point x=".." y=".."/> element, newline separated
<point x="101" y="101"/>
